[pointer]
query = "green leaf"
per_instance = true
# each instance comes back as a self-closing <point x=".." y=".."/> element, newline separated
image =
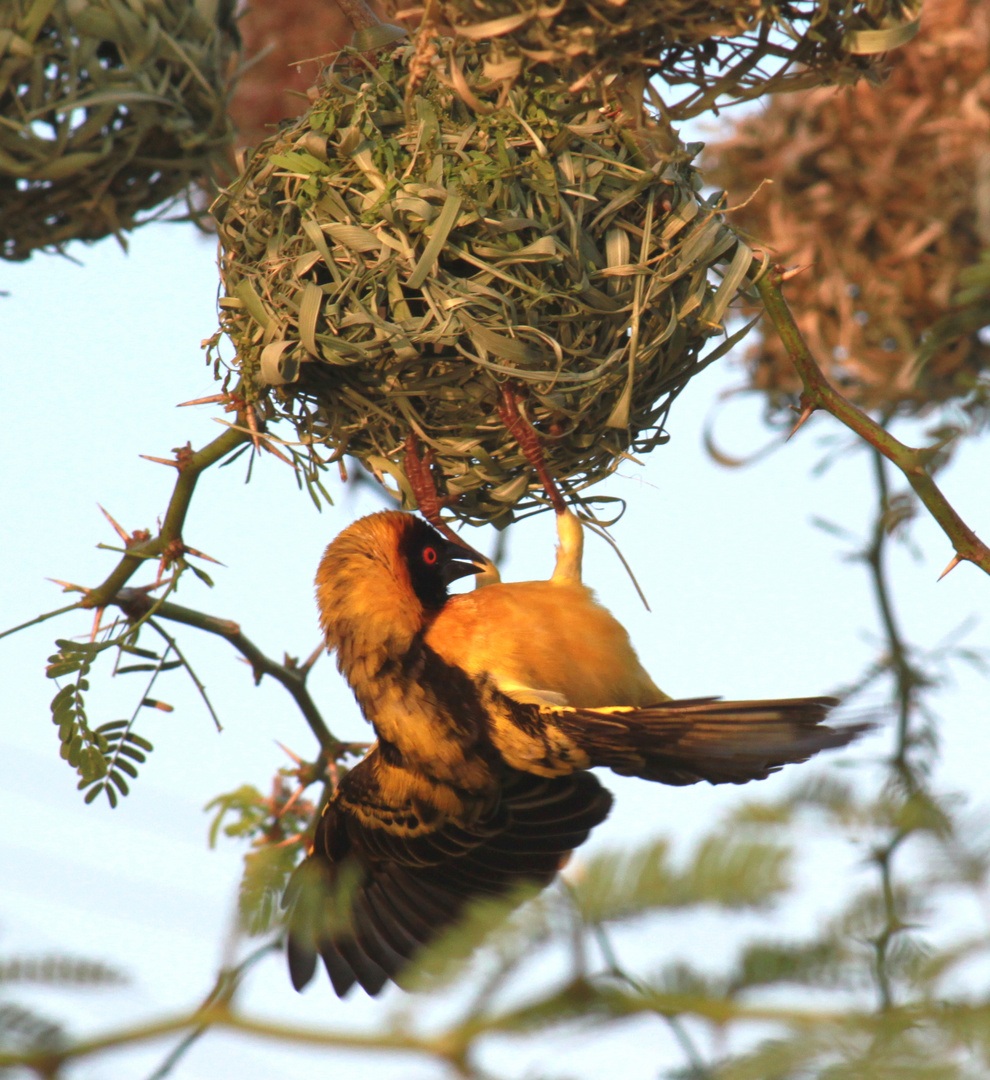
<point x="203" y="576"/>
<point x="824" y="962"/>
<point x="92" y="765"/>
<point x="148" y="654"/>
<point x="266" y="871"/>
<point x="64" y="698"/>
<point x="84" y="647"/>
<point x="75" y="750"/>
<point x="439" y="231"/>
<point x="111" y="725"/>
<point x="65" y="667"/>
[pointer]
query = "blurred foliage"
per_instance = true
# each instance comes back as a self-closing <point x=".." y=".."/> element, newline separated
<point x="25" y="1029"/>
<point x="277" y="827"/>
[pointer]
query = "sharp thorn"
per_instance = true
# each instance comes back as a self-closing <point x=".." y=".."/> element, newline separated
<point x="805" y="413"/>
<point x="202" y="400"/>
<point x="292" y="800"/>
<point x="295" y="757"/>
<point x="793" y="272"/>
<point x="956" y="560"/>
<point x="203" y="555"/>
<point x="312" y="658"/>
<point x="266" y="445"/>
<point x="159" y="460"/>
<point x="67" y="586"/>
<point x="120" y="531"/>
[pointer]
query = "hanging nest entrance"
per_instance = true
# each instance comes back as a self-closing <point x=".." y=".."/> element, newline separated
<point x="396" y="255"/>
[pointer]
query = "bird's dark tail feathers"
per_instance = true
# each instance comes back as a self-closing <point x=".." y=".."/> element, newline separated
<point x="723" y="742"/>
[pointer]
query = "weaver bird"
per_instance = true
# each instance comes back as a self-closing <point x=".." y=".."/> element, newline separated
<point x="489" y="707"/>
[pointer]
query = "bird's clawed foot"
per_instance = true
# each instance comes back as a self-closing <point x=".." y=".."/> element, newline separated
<point x="529" y="443"/>
<point x="570" y="532"/>
<point x="419" y="472"/>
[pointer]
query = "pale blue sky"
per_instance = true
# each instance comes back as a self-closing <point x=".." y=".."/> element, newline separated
<point x="748" y="601"/>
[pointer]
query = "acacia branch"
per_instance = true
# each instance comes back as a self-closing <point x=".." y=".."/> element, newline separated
<point x="450" y="1045"/>
<point x="168" y="543"/>
<point x="818" y="393"/>
<point x="135" y="604"/>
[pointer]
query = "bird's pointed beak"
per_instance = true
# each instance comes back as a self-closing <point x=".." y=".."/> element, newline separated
<point x="460" y="561"/>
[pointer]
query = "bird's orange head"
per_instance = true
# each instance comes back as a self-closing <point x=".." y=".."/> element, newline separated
<point x="382" y="581"/>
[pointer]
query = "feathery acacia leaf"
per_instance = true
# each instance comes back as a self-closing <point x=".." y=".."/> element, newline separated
<point x="723" y="870"/>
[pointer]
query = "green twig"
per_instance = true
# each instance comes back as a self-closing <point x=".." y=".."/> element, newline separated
<point x="42" y="618"/>
<point x="907" y="677"/>
<point x="699" y="1068"/>
<point x="197" y="682"/>
<point x="134" y="602"/>
<point x="907" y="680"/>
<point x="818" y="393"/>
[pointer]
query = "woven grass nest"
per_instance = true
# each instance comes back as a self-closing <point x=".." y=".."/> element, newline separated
<point x="882" y="193"/>
<point x="719" y="50"/>
<point x="386" y="272"/>
<point x="108" y="108"/>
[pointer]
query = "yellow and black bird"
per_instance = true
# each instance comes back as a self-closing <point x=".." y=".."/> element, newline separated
<point x="489" y="708"/>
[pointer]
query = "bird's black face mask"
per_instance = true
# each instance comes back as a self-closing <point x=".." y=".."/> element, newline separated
<point x="434" y="562"/>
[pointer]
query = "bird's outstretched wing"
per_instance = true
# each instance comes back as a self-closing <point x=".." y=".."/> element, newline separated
<point x="386" y="876"/>
<point x="673" y="742"/>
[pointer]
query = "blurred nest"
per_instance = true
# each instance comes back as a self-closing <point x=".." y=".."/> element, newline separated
<point x="107" y="110"/>
<point x="885" y="195"/>
<point x="388" y="264"/>
<point x="721" y="50"/>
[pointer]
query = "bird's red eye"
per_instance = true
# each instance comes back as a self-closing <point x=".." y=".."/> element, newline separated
<point x="429" y="556"/>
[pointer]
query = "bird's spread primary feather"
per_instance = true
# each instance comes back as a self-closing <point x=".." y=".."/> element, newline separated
<point x="488" y="707"/>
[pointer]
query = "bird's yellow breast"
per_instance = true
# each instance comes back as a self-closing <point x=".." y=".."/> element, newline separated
<point x="543" y="641"/>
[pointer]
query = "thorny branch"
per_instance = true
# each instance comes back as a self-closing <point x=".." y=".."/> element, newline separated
<point x="908" y="679"/>
<point x="189" y="464"/>
<point x="818" y="393"/>
<point x="135" y="603"/>
<point x="138" y="605"/>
